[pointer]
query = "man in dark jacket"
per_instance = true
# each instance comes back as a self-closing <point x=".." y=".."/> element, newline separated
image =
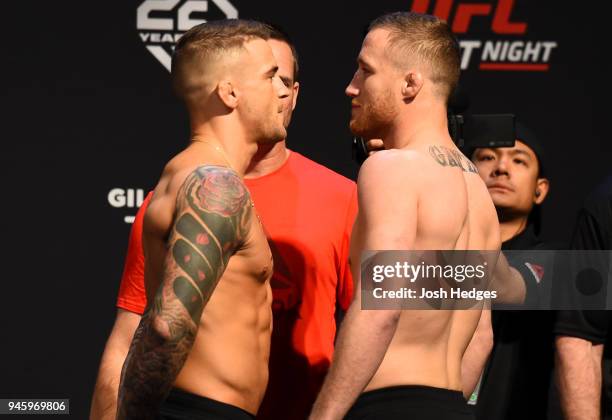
<point x="517" y="377"/>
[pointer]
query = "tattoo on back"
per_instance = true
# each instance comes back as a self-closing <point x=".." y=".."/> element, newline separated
<point x="449" y="157"/>
<point x="212" y="218"/>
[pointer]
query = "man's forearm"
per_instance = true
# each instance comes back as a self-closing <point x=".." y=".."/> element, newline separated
<point x="578" y="371"/>
<point x="104" y="400"/>
<point x="362" y="343"/>
<point x="159" y="350"/>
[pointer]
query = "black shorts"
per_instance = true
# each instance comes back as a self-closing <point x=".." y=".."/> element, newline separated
<point x="414" y="402"/>
<point x="181" y="405"/>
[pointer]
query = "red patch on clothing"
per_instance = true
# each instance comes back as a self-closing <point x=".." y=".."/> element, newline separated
<point x="537" y="270"/>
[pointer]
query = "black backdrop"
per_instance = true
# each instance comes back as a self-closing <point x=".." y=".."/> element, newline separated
<point x="87" y="109"/>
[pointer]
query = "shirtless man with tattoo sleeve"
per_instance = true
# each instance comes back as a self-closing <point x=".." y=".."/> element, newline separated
<point x="419" y="194"/>
<point x="202" y="346"/>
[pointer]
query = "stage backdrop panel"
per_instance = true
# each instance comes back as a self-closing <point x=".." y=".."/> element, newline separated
<point x="89" y="121"/>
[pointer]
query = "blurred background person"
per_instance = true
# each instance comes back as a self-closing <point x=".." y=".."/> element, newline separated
<point x="517" y="377"/>
<point x="584" y="353"/>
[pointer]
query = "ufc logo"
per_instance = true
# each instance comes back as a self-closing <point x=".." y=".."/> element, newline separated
<point x="465" y="11"/>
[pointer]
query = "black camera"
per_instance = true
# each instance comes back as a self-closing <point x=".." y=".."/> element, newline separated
<point x="468" y="131"/>
<point x="471" y="131"/>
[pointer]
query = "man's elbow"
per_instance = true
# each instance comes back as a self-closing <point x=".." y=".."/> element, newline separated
<point x="385" y="319"/>
<point x="570" y="347"/>
<point x="575" y="355"/>
<point x="168" y="327"/>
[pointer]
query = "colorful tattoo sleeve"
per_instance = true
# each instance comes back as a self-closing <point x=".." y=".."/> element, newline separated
<point x="211" y="221"/>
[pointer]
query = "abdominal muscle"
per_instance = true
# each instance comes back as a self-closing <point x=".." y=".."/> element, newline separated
<point x="229" y="359"/>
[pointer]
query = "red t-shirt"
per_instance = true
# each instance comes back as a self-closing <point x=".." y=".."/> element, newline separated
<point x="132" y="296"/>
<point x="307" y="211"/>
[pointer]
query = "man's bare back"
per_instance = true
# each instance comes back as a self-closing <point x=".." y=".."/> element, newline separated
<point x="419" y="194"/>
<point x="452" y="211"/>
<point x="229" y="358"/>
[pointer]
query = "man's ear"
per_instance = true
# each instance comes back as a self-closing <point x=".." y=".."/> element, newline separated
<point x="227" y="94"/>
<point x="541" y="191"/>
<point x="411" y="85"/>
<point x="296" y="91"/>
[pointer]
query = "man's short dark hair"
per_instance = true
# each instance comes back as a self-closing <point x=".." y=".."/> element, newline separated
<point x="279" y="34"/>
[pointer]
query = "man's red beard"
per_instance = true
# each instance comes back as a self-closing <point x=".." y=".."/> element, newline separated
<point x="372" y="119"/>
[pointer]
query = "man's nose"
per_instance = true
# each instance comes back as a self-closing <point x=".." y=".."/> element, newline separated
<point x="351" y="90"/>
<point x="281" y="89"/>
<point x="501" y="168"/>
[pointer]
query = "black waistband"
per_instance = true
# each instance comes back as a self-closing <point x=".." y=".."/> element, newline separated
<point x="411" y="401"/>
<point x="184" y="405"/>
<point x="407" y="393"/>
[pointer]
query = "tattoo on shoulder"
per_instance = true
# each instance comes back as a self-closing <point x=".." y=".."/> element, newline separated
<point x="449" y="157"/>
<point x="213" y="214"/>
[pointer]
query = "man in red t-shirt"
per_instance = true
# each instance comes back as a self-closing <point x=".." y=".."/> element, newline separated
<point x="307" y="211"/>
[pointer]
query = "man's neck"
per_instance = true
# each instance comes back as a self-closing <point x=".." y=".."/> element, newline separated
<point x="267" y="159"/>
<point x="234" y="155"/>
<point x="421" y="124"/>
<point x="511" y="227"/>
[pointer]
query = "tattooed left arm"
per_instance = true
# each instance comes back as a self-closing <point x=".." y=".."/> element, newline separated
<point x="211" y="219"/>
